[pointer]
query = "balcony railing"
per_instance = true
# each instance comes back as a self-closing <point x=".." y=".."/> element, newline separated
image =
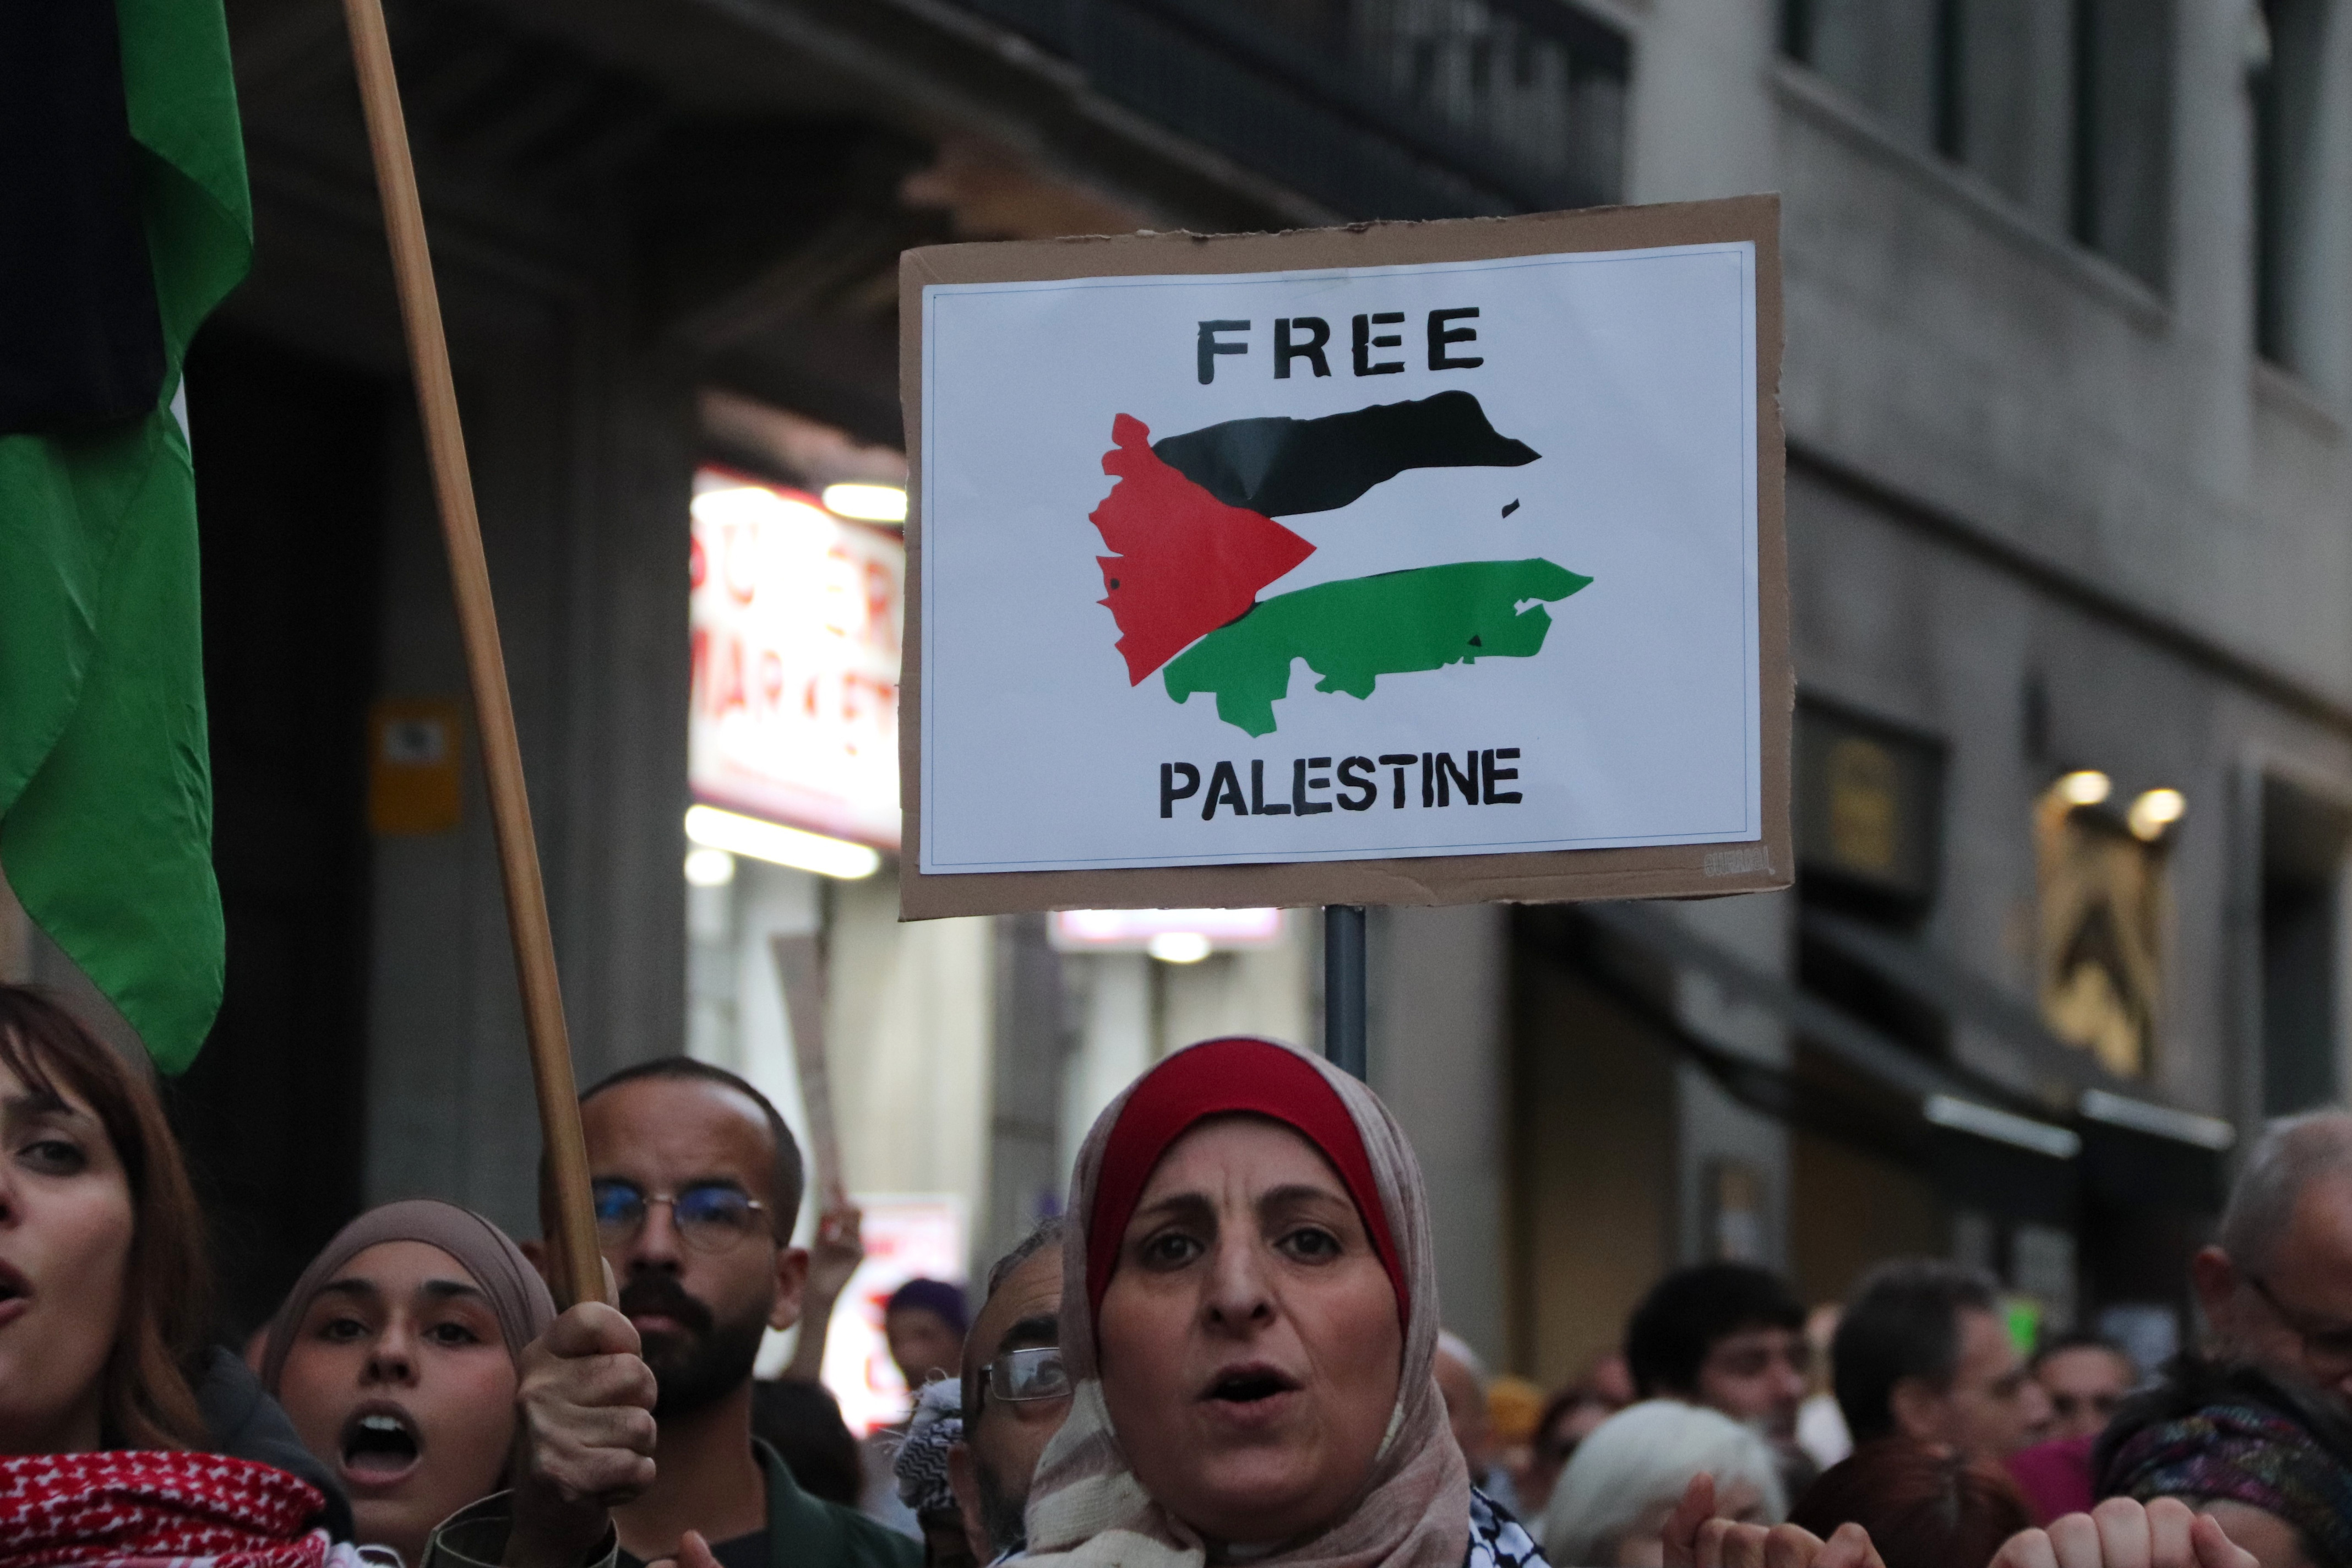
<point x="1400" y="109"/>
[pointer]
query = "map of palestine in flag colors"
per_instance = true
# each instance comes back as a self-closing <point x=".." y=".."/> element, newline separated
<point x="1192" y="517"/>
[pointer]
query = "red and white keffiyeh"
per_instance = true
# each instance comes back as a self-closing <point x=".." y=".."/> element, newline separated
<point x="147" y="1509"/>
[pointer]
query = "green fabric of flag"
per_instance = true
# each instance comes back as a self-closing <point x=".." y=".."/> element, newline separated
<point x="105" y="776"/>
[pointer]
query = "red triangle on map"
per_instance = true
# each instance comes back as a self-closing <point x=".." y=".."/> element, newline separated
<point x="1187" y="562"/>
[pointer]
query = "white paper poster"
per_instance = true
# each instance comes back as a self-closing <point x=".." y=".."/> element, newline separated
<point x="1341" y="564"/>
<point x="919" y="1236"/>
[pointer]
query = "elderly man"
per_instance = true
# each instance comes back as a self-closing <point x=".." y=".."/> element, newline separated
<point x="1462" y="1381"/>
<point x="2276" y="1284"/>
<point x="1014" y="1392"/>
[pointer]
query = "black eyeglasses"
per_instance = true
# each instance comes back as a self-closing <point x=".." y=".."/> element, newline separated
<point x="2326" y="1341"/>
<point x="711" y="1217"/>
<point x="1035" y="1372"/>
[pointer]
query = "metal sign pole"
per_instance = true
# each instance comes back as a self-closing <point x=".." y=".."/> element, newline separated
<point x="1343" y="986"/>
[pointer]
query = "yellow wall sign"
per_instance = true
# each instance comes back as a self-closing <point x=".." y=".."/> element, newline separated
<point x="1869" y="805"/>
<point x="414" y="748"/>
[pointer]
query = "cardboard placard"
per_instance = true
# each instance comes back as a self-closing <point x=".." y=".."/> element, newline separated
<point x="1403" y="563"/>
<point x="801" y="973"/>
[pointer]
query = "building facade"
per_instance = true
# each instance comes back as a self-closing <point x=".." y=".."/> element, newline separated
<point x="2068" y="371"/>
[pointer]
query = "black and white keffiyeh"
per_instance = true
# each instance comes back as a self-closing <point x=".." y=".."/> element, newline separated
<point x="1496" y="1540"/>
<point x="921" y="1465"/>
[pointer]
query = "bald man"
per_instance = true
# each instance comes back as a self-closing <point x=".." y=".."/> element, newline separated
<point x="1016" y="1394"/>
<point x="2276" y="1284"/>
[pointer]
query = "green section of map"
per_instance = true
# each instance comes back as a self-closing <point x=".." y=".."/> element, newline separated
<point x="1353" y="632"/>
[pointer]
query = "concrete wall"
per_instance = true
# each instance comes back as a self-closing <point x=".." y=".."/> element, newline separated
<point x="581" y="453"/>
<point x="2133" y="510"/>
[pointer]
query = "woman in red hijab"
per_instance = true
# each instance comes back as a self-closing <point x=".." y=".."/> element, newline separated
<point x="1249" y="1321"/>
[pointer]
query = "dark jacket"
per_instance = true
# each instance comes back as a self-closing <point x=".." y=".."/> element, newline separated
<point x="804" y="1532"/>
<point x="247" y="1424"/>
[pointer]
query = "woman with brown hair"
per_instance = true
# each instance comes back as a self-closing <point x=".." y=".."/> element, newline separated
<point x="1925" y="1507"/>
<point x="103" y="1302"/>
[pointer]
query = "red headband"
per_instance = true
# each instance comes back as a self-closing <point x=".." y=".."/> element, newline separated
<point x="1216" y="1079"/>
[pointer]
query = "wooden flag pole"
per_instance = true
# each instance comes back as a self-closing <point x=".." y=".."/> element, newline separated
<point x="578" y="1263"/>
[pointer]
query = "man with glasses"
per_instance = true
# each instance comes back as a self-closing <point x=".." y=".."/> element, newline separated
<point x="2087" y="1377"/>
<point x="1731" y="1336"/>
<point x="1016" y="1392"/>
<point x="696" y="1183"/>
<point x="2276" y="1284"/>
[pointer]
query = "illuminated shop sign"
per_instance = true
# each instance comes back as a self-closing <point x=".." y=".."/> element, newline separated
<point x="795" y="616"/>
<point x="1172" y="936"/>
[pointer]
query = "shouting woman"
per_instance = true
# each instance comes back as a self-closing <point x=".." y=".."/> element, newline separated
<point x="102" y="1315"/>
<point x="396" y="1356"/>
<point x="1250" y="1321"/>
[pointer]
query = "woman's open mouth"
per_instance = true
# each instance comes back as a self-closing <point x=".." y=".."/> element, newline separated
<point x="15" y="1293"/>
<point x="1254" y="1385"/>
<point x="379" y="1445"/>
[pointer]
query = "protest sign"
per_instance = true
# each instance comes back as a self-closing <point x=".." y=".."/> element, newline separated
<point x="1403" y="563"/>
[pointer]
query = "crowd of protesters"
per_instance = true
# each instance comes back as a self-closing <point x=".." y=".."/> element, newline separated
<point x="1230" y="1350"/>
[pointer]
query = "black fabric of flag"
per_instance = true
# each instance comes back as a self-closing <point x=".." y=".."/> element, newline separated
<point x="80" y="340"/>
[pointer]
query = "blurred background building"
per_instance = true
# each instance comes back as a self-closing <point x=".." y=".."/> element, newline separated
<point x="2069" y="364"/>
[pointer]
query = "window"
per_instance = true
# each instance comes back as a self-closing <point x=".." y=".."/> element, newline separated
<point x="1869" y="813"/>
<point x="2123" y="131"/>
<point x="2304" y="842"/>
<point x="2285" y="89"/>
<point x="2063" y="108"/>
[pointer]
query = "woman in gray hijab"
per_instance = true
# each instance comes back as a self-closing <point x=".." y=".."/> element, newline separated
<point x="394" y="1356"/>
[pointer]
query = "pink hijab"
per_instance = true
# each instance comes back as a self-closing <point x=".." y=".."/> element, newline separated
<point x="1086" y="1507"/>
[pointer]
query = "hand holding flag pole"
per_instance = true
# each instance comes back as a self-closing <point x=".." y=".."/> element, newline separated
<point x="580" y="1273"/>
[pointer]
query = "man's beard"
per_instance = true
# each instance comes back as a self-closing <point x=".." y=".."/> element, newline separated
<point x="702" y="1364"/>
<point x="1000" y="1515"/>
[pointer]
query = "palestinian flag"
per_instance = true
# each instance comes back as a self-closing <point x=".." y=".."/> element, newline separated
<point x="123" y="180"/>
<point x="1192" y="518"/>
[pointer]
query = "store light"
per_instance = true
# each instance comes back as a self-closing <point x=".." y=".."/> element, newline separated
<point x="740" y="506"/>
<point x="1179" y="947"/>
<point x="2155" y="811"/>
<point x="774" y="842"/>
<point x="867" y="503"/>
<point x="709" y="868"/>
<point x="2001" y="1126"/>
<point x="1135" y="931"/>
<point x="2158" y="1121"/>
<point x="2084" y="786"/>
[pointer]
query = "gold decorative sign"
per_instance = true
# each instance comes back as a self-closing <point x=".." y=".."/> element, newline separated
<point x="2105" y="909"/>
